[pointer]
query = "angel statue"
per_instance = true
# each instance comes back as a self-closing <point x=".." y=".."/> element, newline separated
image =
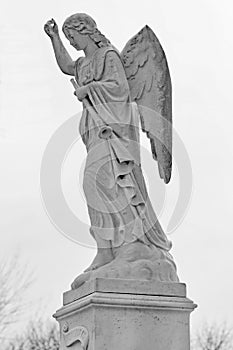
<point x="117" y="90"/>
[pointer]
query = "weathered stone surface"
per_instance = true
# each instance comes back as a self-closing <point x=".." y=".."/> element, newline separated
<point x="117" y="90"/>
<point x="125" y="287"/>
<point x="135" y="261"/>
<point x="125" y="320"/>
<point x="129" y="297"/>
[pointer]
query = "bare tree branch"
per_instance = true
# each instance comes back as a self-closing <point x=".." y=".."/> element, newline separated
<point x="214" y="337"/>
<point x="39" y="335"/>
<point x="14" y="282"/>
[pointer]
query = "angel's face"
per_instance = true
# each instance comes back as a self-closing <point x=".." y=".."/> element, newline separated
<point x="77" y="40"/>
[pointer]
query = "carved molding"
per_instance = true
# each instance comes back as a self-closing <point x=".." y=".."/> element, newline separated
<point x="78" y="334"/>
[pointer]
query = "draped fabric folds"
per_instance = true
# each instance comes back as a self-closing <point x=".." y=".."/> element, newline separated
<point x="118" y="204"/>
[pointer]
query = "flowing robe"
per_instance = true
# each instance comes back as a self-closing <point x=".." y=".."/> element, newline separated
<point x="119" y="207"/>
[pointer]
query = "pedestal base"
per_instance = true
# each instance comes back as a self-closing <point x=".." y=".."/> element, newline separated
<point x="107" y="314"/>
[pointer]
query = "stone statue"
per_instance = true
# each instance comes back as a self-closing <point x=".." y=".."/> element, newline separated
<point x="117" y="90"/>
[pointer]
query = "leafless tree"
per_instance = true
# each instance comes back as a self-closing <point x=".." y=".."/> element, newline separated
<point x="15" y="280"/>
<point x="39" y="335"/>
<point x="214" y="337"/>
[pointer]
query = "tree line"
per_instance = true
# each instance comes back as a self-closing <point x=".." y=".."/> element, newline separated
<point x="44" y="335"/>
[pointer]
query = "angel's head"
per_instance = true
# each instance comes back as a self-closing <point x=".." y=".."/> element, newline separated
<point x="80" y="29"/>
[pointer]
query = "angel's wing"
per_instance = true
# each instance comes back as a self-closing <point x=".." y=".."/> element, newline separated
<point x="150" y="85"/>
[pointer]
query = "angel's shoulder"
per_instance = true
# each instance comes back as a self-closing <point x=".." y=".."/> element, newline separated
<point x="108" y="52"/>
<point x="106" y="57"/>
<point x="113" y="58"/>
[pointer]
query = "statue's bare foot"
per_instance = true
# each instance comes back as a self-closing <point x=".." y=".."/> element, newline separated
<point x="103" y="257"/>
<point x="81" y="279"/>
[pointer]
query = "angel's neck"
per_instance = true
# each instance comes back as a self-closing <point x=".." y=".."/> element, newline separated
<point x="90" y="49"/>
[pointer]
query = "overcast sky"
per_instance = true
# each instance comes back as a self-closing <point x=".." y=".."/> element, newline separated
<point x="36" y="98"/>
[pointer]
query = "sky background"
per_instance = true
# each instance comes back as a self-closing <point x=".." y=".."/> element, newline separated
<point x="36" y="98"/>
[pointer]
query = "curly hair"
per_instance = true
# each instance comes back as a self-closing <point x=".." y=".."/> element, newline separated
<point x="84" y="24"/>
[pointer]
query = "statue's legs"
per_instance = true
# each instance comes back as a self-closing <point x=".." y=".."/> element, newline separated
<point x="104" y="253"/>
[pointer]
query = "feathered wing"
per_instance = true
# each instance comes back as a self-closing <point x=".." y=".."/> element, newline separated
<point x="150" y="85"/>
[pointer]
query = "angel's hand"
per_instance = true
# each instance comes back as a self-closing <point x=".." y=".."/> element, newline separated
<point x="51" y="28"/>
<point x="81" y="93"/>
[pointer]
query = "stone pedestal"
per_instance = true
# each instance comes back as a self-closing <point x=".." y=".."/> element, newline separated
<point x="113" y="314"/>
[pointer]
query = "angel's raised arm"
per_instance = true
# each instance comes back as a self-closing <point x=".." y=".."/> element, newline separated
<point x="64" y="61"/>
